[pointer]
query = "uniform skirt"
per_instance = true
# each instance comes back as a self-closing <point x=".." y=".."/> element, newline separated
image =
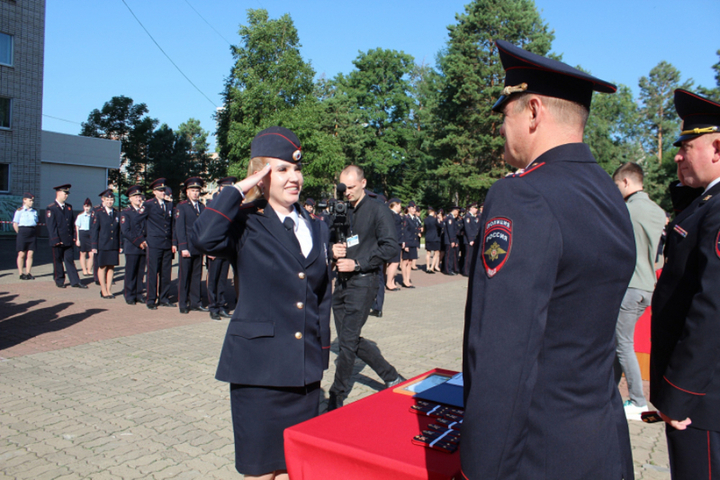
<point x="26" y="239"/>
<point x="260" y="416"/>
<point x="411" y="254"/>
<point x="432" y="246"/>
<point x="396" y="258"/>
<point x="85" y="245"/>
<point x="107" y="258"/>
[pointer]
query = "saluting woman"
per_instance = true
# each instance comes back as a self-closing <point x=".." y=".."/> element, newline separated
<point x="278" y="340"/>
<point x="105" y="233"/>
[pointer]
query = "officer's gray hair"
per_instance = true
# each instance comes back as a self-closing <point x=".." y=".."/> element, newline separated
<point x="565" y="112"/>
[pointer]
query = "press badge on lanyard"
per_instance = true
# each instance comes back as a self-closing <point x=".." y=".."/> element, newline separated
<point x="353" y="241"/>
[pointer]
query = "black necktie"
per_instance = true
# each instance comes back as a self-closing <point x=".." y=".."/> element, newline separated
<point x="197" y="209"/>
<point x="290" y="227"/>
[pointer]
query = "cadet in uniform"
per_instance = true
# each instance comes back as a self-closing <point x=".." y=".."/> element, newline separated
<point x="432" y="242"/>
<point x="105" y="234"/>
<point x="685" y="355"/>
<point x="278" y="341"/>
<point x="218" y="269"/>
<point x="132" y="230"/>
<point x="25" y="223"/>
<point x="450" y="236"/>
<point x="410" y="243"/>
<point x="190" y="263"/>
<point x="61" y="236"/>
<point x="555" y="256"/>
<point x="471" y="228"/>
<point x="158" y="230"/>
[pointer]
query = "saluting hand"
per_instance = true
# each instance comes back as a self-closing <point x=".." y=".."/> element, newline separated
<point x="249" y="182"/>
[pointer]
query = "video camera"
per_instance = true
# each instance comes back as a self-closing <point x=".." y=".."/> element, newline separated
<point x="338" y="210"/>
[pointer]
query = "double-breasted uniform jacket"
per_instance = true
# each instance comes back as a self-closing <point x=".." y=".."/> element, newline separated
<point x="132" y="230"/>
<point x="555" y="256"/>
<point x="472" y="227"/>
<point x="685" y="355"/>
<point x="105" y="230"/>
<point x="60" y="224"/>
<point x="159" y="224"/>
<point x="450" y="233"/>
<point x="410" y="231"/>
<point x="279" y="334"/>
<point x="185" y="216"/>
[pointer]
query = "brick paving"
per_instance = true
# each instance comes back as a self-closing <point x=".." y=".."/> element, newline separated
<point x="93" y="388"/>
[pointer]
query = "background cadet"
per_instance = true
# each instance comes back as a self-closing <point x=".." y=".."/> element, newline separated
<point x="190" y="261"/>
<point x="158" y="229"/>
<point x="450" y="237"/>
<point x="105" y="234"/>
<point x="370" y="243"/>
<point x="554" y="259"/>
<point x="218" y="270"/>
<point x="392" y="264"/>
<point x="61" y="236"/>
<point x="648" y="220"/>
<point x="83" y="240"/>
<point x="132" y="230"/>
<point x="24" y="223"/>
<point x="410" y="243"/>
<point x="471" y="227"/>
<point x="685" y="354"/>
<point x="432" y="242"/>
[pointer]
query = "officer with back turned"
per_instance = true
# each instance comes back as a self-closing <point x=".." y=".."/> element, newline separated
<point x="554" y="258"/>
<point x="132" y="230"/>
<point x="158" y="212"/>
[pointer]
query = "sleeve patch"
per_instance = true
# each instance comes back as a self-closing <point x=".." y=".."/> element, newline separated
<point x="497" y="242"/>
<point x="122" y="219"/>
<point x="49" y="214"/>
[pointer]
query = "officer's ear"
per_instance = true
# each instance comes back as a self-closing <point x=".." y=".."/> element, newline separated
<point x="715" y="145"/>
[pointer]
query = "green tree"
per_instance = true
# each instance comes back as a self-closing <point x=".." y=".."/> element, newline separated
<point x="658" y="116"/>
<point x="122" y="119"/>
<point x="169" y="157"/>
<point x="612" y="131"/>
<point x="270" y="84"/>
<point x="468" y="143"/>
<point x="202" y="164"/>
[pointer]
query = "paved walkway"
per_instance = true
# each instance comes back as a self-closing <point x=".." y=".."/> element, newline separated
<point x="93" y="388"/>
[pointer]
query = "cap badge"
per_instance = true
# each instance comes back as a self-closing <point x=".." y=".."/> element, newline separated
<point x="297" y="155"/>
<point x="510" y="89"/>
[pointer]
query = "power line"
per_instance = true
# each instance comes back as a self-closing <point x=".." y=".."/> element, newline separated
<point x="208" y="23"/>
<point x="61" y="119"/>
<point x="168" y="56"/>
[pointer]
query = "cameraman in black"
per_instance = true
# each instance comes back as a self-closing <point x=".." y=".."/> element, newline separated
<point x="370" y="241"/>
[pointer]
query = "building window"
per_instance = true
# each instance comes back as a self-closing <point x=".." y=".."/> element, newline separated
<point x="5" y="112"/>
<point x="6" y="49"/>
<point x="4" y="177"/>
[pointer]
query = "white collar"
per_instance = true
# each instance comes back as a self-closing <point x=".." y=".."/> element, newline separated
<point x="712" y="184"/>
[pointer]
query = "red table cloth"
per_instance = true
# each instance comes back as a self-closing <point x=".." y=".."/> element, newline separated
<point x="370" y="439"/>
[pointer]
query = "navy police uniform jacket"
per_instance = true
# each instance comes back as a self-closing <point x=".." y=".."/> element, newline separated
<point x="105" y="230"/>
<point x="472" y="227"/>
<point x="185" y="216"/>
<point x="132" y="230"/>
<point x="410" y="231"/>
<point x="60" y="224"/>
<point x="685" y="355"/>
<point x="159" y="224"/>
<point x="555" y="256"/>
<point x="450" y="233"/>
<point x="279" y="334"/>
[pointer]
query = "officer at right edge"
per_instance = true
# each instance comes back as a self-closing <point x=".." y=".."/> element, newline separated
<point x="685" y="355"/>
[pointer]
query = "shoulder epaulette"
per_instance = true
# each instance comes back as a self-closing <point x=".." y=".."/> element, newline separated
<point x="523" y="172"/>
<point x="50" y="206"/>
<point x="183" y="202"/>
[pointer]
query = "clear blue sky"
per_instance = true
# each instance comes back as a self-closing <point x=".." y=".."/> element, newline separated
<point x="95" y="50"/>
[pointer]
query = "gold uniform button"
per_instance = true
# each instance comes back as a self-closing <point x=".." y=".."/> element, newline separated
<point x="298" y="335"/>
<point x="301" y="275"/>
<point x="300" y="305"/>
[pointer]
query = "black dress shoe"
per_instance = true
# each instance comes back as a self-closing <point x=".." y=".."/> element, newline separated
<point x="398" y="380"/>
<point x="130" y="302"/>
<point x="199" y="308"/>
<point x="29" y="277"/>
<point x="151" y="306"/>
<point x="375" y="313"/>
<point x="60" y="286"/>
<point x="23" y="277"/>
<point x="79" y="285"/>
<point x="166" y="304"/>
<point x="224" y="314"/>
<point x="408" y="286"/>
<point x="107" y="296"/>
<point x="334" y="402"/>
<point x="215" y="316"/>
<point x="184" y="310"/>
<point x="430" y="271"/>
